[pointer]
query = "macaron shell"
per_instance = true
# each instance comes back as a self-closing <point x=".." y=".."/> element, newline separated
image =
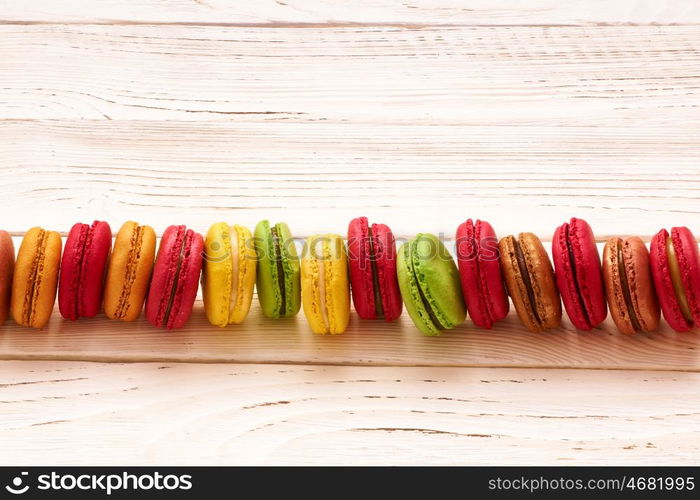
<point x="661" y="273"/>
<point x="546" y="293"/>
<point x="580" y="284"/>
<point x="291" y="268"/>
<point x="188" y="280"/>
<point x="687" y="254"/>
<point x="639" y="282"/>
<point x="269" y="293"/>
<point x="480" y="273"/>
<point x="546" y="296"/>
<point x="338" y="284"/>
<point x="361" y="278"/>
<point x="167" y="280"/>
<point x="129" y="271"/>
<point x="96" y="254"/>
<point x="438" y="279"/>
<point x="515" y="284"/>
<point x="42" y="248"/>
<point x="565" y="279"/>
<point x="7" y="266"/>
<point x="325" y="254"/>
<point x="246" y="274"/>
<point x="69" y="282"/>
<point x="311" y="300"/>
<point x="83" y="270"/>
<point x="410" y="292"/>
<point x="385" y="262"/>
<point x="216" y="274"/>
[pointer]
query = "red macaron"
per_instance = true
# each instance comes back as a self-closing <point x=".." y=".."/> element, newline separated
<point x="372" y="258"/>
<point x="480" y="273"/>
<point x="175" y="278"/>
<point x="578" y="273"/>
<point x="676" y="272"/>
<point x="83" y="270"/>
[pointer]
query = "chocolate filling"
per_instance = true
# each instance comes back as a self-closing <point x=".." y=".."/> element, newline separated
<point x="574" y="277"/>
<point x="524" y="273"/>
<point x="378" y="309"/>
<point x="626" y="287"/>
<point x="176" y="279"/>
<point x="277" y="249"/>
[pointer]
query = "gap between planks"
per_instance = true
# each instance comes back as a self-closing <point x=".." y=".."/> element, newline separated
<point x="336" y="24"/>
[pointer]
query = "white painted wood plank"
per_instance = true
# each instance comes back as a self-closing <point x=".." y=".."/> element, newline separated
<point x="481" y="12"/>
<point x="373" y="343"/>
<point x="615" y="76"/>
<point x="182" y="414"/>
<point x="317" y="176"/>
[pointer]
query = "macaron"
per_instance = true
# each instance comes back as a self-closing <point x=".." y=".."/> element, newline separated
<point x="228" y="275"/>
<point x="7" y="267"/>
<point x="530" y="281"/>
<point x="129" y="271"/>
<point x="278" y="270"/>
<point x="430" y="284"/>
<point x="629" y="285"/>
<point x="372" y="258"/>
<point x="175" y="277"/>
<point x="36" y="277"/>
<point x="480" y="273"/>
<point x="83" y="270"/>
<point x="676" y="271"/>
<point x="578" y="273"/>
<point x="325" y="289"/>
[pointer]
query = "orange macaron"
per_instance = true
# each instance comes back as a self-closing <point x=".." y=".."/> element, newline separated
<point x="36" y="277"/>
<point x="129" y="271"/>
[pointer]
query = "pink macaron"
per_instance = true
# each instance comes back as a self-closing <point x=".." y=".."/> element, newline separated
<point x="372" y="264"/>
<point x="175" y="278"/>
<point x="676" y="271"/>
<point x="579" y="274"/>
<point x="480" y="273"/>
<point x="83" y="269"/>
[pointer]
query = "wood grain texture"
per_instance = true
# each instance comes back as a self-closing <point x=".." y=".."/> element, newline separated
<point x="318" y="176"/>
<point x="182" y="414"/>
<point x="417" y="114"/>
<point x="484" y="12"/>
<point x="417" y="128"/>
<point x="260" y="340"/>
<point x="638" y="76"/>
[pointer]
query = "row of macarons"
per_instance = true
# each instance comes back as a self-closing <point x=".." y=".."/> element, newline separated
<point x="634" y="282"/>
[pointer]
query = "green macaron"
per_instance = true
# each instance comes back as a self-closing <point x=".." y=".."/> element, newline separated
<point x="278" y="270"/>
<point x="430" y="284"/>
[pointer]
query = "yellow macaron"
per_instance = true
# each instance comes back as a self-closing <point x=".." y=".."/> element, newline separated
<point x="228" y="273"/>
<point x="325" y="288"/>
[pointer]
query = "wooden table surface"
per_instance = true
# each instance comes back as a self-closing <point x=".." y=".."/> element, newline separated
<point x="418" y="114"/>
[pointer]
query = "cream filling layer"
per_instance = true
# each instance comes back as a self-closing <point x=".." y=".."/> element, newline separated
<point x="677" y="280"/>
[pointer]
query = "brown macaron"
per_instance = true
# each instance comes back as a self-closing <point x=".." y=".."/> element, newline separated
<point x="629" y="285"/>
<point x="529" y="278"/>
<point x="7" y="267"/>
